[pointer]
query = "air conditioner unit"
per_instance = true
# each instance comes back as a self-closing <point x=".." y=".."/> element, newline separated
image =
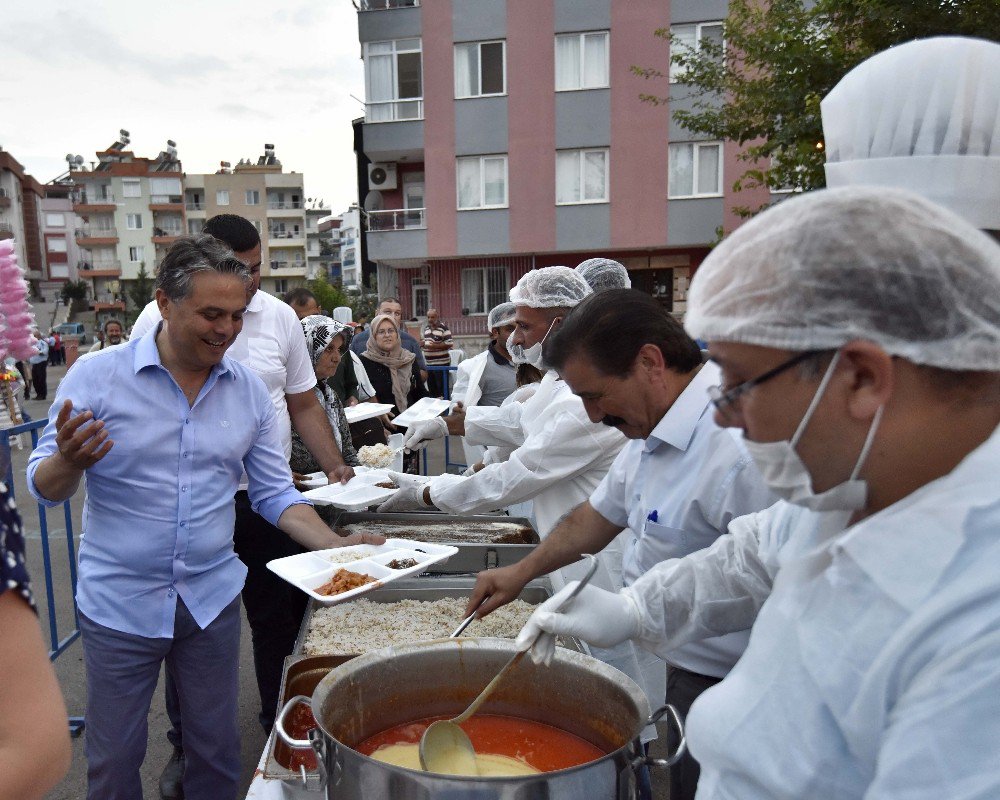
<point x="382" y="175"/>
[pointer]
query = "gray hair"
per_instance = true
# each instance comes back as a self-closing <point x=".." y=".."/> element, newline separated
<point x="190" y="255"/>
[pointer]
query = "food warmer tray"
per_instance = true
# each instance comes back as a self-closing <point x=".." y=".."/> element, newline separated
<point x="472" y="557"/>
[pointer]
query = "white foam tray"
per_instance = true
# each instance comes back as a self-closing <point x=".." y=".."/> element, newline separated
<point x="358" y="493"/>
<point x="307" y="571"/>
<point x="424" y="408"/>
<point x="366" y="411"/>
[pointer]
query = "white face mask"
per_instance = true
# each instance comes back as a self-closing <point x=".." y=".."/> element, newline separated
<point x="787" y="476"/>
<point x="519" y="354"/>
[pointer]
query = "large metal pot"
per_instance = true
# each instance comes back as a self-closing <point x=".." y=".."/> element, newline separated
<point x="396" y="685"/>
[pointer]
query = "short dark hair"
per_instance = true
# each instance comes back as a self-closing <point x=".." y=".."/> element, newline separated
<point x="609" y="328"/>
<point x="298" y="297"/>
<point x="192" y="254"/>
<point x="112" y="321"/>
<point x="236" y="231"/>
<point x="389" y="300"/>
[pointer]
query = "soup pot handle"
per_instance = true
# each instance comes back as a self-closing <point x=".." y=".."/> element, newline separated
<point x="682" y="745"/>
<point x="279" y="723"/>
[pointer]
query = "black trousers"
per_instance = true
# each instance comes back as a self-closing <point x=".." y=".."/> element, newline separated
<point x="435" y="382"/>
<point x="274" y="610"/>
<point x="683" y="688"/>
<point x="38" y="381"/>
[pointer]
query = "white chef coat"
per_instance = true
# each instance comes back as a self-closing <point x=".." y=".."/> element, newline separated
<point x="272" y="344"/>
<point x="677" y="491"/>
<point x="506" y="425"/>
<point x="559" y="464"/>
<point x="873" y="668"/>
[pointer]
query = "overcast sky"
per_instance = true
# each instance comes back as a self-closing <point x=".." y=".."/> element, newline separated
<point x="220" y="77"/>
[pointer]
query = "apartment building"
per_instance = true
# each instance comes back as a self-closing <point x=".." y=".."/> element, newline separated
<point x="329" y="243"/>
<point x="272" y="199"/>
<point x="501" y="136"/>
<point x="130" y="210"/>
<point x="20" y="202"/>
<point x="58" y="225"/>
<point x="350" y="248"/>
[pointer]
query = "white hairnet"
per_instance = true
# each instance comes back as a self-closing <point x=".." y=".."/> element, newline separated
<point x="883" y="265"/>
<point x="500" y="315"/>
<point x="923" y="116"/>
<point x="549" y="287"/>
<point x="603" y="273"/>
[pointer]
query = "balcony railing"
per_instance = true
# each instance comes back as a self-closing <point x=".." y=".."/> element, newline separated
<point x="277" y="205"/>
<point x="380" y="5"/>
<point x="113" y="263"/>
<point x="396" y="219"/>
<point x="284" y="234"/>
<point x="195" y="205"/>
<point x="158" y="231"/>
<point x="165" y="199"/>
<point x="92" y="232"/>
<point x="84" y="198"/>
<point x="394" y="110"/>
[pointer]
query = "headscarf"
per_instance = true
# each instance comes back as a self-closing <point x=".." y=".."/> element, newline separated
<point x="398" y="360"/>
<point x="320" y="331"/>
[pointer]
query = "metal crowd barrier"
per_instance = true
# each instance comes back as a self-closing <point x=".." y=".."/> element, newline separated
<point x="57" y="646"/>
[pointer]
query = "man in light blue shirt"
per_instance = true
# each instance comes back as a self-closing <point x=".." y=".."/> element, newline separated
<point x="163" y="428"/>
<point x="675" y="485"/>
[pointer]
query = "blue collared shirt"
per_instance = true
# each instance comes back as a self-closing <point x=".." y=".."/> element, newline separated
<point x="158" y="517"/>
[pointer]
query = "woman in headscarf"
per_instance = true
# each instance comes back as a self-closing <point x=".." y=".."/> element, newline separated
<point x="391" y="371"/>
<point x="326" y="340"/>
<point x="390" y="367"/>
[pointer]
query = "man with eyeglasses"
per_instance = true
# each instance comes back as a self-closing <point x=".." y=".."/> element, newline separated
<point x="672" y="490"/>
<point x="858" y="335"/>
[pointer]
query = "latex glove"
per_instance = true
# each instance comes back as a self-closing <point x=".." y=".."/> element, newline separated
<point x="596" y="616"/>
<point x="419" y="434"/>
<point x="469" y="471"/>
<point x="409" y="497"/>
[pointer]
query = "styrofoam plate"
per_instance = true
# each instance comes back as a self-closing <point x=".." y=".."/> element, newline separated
<point x="366" y="411"/>
<point x="424" y="408"/>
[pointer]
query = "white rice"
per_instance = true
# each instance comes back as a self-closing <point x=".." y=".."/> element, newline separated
<point x="355" y="628"/>
<point x="335" y="557"/>
<point x="376" y="456"/>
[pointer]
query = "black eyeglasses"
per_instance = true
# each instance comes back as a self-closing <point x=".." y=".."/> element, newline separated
<point x="723" y="400"/>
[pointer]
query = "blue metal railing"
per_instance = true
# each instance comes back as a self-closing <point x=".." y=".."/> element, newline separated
<point x="448" y="463"/>
<point x="57" y="646"/>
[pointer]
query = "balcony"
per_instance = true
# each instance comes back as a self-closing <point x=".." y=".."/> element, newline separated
<point x="108" y="305"/>
<point x="6" y="227"/>
<point x="277" y="205"/>
<point x="396" y="219"/>
<point x="99" y="269"/>
<point x="85" y="202"/>
<point x="394" y="110"/>
<point x="166" y="235"/>
<point x="195" y="205"/>
<point x="280" y="238"/>
<point x="166" y="202"/>
<point x="5" y="200"/>
<point x="283" y="265"/>
<point x="91" y="236"/>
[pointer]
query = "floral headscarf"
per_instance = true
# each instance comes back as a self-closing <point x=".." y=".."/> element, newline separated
<point x="320" y="331"/>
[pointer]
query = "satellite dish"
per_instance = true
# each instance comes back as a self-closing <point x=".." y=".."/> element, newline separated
<point x="374" y="201"/>
<point x="78" y="160"/>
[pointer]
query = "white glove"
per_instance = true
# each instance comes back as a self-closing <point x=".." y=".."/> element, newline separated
<point x="596" y="616"/>
<point x="404" y="480"/>
<point x="410" y="495"/>
<point x="419" y="434"/>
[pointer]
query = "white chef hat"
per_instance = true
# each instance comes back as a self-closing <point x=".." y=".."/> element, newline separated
<point x="922" y="116"/>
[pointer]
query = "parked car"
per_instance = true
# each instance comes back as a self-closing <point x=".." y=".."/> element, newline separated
<point x="76" y="329"/>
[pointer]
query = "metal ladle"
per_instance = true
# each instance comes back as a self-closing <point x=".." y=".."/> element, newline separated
<point x="444" y="747"/>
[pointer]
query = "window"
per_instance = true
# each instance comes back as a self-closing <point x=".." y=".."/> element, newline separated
<point x="695" y="169"/>
<point x="483" y="288"/>
<point x="222" y="197"/>
<point x="253" y="197"/>
<point x="582" y="61"/>
<point x="688" y="38"/>
<point x="582" y="176"/>
<point x="136" y="254"/>
<point x="133" y="222"/>
<point x="57" y="244"/>
<point x="131" y="187"/>
<point x="479" y="69"/>
<point x="55" y="221"/>
<point x="482" y="182"/>
<point x="393" y="80"/>
<point x="256" y="224"/>
<point x="280" y="285"/>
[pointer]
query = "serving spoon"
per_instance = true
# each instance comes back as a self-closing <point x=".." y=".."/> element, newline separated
<point x="444" y="747"/>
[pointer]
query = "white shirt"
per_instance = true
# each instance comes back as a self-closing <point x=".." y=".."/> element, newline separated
<point x="873" y="669"/>
<point x="271" y="344"/>
<point x="505" y="425"/>
<point x="677" y="491"/>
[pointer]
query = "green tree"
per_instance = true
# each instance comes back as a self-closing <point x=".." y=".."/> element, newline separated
<point x="74" y="290"/>
<point x="140" y="291"/>
<point x="328" y="295"/>
<point x="781" y="57"/>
